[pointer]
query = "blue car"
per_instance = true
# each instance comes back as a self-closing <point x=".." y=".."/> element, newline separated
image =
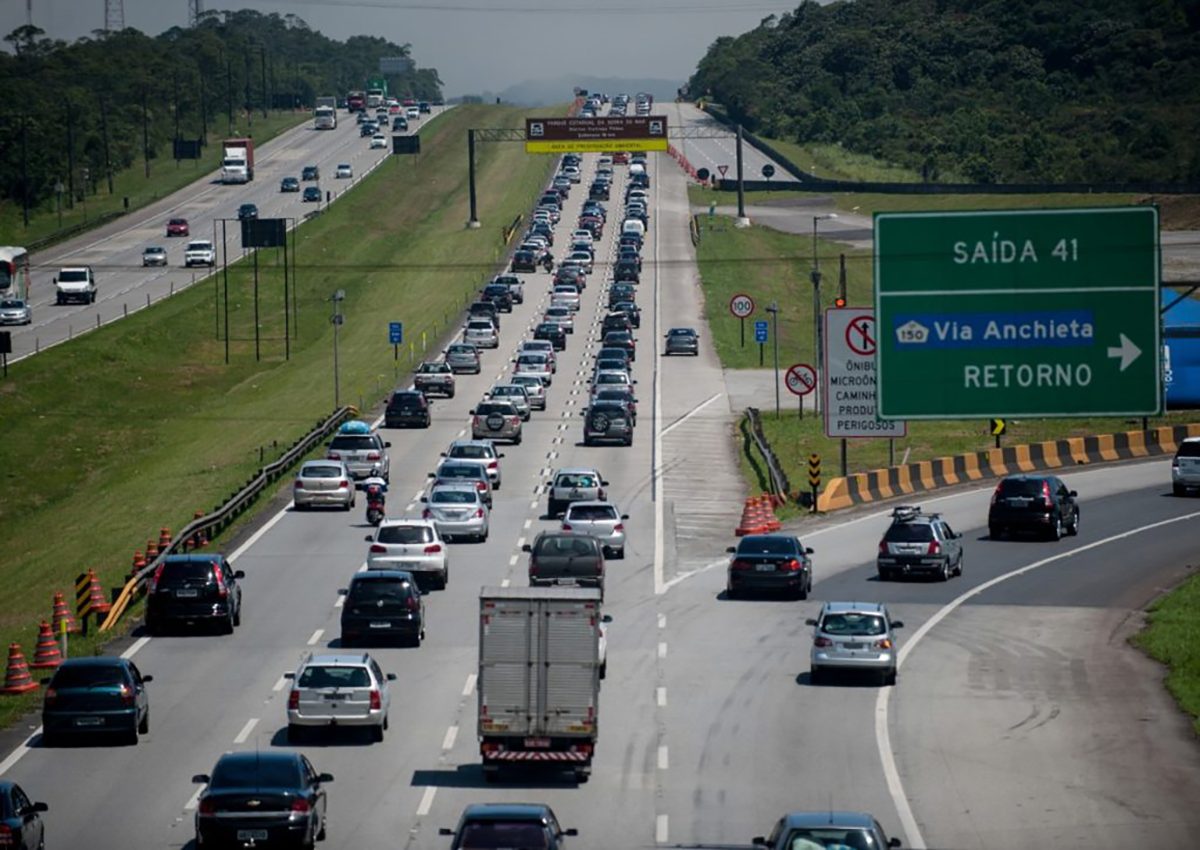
<point x="21" y="824"/>
<point x="96" y="696"/>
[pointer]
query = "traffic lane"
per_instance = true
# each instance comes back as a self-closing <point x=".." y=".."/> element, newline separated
<point x="712" y="153"/>
<point x="1030" y="701"/>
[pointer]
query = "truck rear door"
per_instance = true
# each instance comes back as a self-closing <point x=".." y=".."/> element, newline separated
<point x="507" y="672"/>
<point x="568" y="659"/>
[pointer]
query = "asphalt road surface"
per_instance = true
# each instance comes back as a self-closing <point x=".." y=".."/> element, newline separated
<point x="115" y="250"/>
<point x="1020" y="718"/>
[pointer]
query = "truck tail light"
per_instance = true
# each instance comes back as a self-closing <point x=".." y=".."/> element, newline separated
<point x="376" y="701"/>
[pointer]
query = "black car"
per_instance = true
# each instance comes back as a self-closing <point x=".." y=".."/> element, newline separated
<point x="629" y="240"/>
<point x="618" y="395"/>
<point x="101" y="695"/>
<point x="367" y="130"/>
<point x="630" y="254"/>
<point x="21" y="826"/>
<point x="599" y="191"/>
<point x="1041" y="504"/>
<point x="399" y="123"/>
<point x="553" y="333"/>
<point x="621" y="339"/>
<point x="407" y="409"/>
<point x="382" y="604"/>
<point x="500" y="295"/>
<point x="312" y="193"/>
<point x="423" y="107"/>
<point x="612" y="352"/>
<point x="571" y="274"/>
<point x="769" y="562"/>
<point x="261" y="798"/>
<point x="524" y="261"/>
<point x="543" y="230"/>
<point x="616" y="322"/>
<point x="247" y="211"/>
<point x="630" y="309"/>
<point x="627" y="271"/>
<point x="310" y="172"/>
<point x="619" y="292"/>
<point x="491" y="826"/>
<point x="289" y="184"/>
<point x="194" y="589"/>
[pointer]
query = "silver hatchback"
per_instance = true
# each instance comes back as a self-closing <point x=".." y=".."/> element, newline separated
<point x="323" y="482"/>
<point x="338" y="690"/>
<point x="850" y="636"/>
<point x="464" y="357"/>
<point x="602" y="521"/>
<point x="516" y="394"/>
<point x="458" y="510"/>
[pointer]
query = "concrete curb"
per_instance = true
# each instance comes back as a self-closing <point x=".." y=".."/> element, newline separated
<point x="878" y="484"/>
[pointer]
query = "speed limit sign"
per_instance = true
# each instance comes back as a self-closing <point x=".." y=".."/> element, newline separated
<point x="741" y="306"/>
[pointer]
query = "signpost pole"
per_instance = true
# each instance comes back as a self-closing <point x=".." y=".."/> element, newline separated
<point x="762" y="348"/>
<point x="844" y="473"/>
<point x="742" y="322"/>
<point x="774" y="311"/>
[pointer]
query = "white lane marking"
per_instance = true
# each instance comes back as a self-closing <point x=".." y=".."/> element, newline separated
<point x="660" y="696"/>
<point x="520" y="542"/>
<point x="426" y="801"/>
<point x="883" y="740"/>
<point x="417" y="496"/>
<point x="194" y="800"/>
<point x="132" y="651"/>
<point x="512" y="562"/>
<point x="656" y="462"/>
<point x="660" y="829"/>
<point x="339" y="602"/>
<point x="469" y="686"/>
<point x="316" y="636"/>
<point x="551" y="455"/>
<point x="246" y="730"/>
<point x="663" y="762"/>
<point x="451" y="735"/>
<point x="683" y="576"/>
<point x="691" y="413"/>
<point x="528" y="523"/>
<point x="505" y="583"/>
<point x="283" y="680"/>
<point x="662" y="649"/>
<point x="662" y="621"/>
<point x="17" y="754"/>
<point x="462" y="433"/>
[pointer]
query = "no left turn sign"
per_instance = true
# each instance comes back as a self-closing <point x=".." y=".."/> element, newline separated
<point x="801" y="379"/>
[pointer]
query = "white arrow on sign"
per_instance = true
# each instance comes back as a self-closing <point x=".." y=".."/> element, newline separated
<point x="1127" y="351"/>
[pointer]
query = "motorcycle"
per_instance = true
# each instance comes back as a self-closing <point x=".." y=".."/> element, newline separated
<point x="375" y="487"/>
<point x="548" y="262"/>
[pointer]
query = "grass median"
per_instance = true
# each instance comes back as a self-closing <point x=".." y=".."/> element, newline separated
<point x="142" y="423"/>
<point x="1170" y="637"/>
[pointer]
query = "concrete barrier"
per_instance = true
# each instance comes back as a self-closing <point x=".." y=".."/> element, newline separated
<point x="922" y="476"/>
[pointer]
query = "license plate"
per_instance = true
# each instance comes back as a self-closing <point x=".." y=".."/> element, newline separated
<point x="765" y="568"/>
<point x="187" y="593"/>
<point x="333" y="697"/>
<point x="251" y="835"/>
<point x="541" y="743"/>
<point x="853" y="646"/>
<point x="381" y="625"/>
<point x="89" y="721"/>
<point x="407" y="565"/>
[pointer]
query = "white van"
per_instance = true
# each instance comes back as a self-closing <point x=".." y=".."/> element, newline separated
<point x="632" y="225"/>
<point x="636" y="168"/>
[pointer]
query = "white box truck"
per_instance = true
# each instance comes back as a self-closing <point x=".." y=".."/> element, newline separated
<point x="539" y="678"/>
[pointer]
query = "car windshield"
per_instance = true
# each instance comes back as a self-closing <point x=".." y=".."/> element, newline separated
<point x="572" y="479"/>
<point x="454" y="497"/>
<point x="405" y="534"/>
<point x="591" y="512"/>
<point x="471" y="451"/>
<point x="903" y="532"/>
<point x="853" y="623"/>
<point x="766" y="546"/>
<point x="11" y="304"/>
<point x="334" y="677"/>
<point x="256" y="773"/>
<point x="507" y="834"/>
<point x="321" y="471"/>
<point x="87" y="675"/>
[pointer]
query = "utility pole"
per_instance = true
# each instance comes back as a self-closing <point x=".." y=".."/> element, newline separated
<point x="70" y="155"/>
<point x="229" y="89"/>
<point x="773" y="309"/>
<point x="336" y="319"/>
<point x="816" y="282"/>
<point x="262" y="54"/>
<point x="107" y="159"/>
<point x="145" y="132"/>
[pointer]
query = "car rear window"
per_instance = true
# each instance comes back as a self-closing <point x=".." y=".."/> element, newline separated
<point x="460" y="470"/>
<point x="462" y="349"/>
<point x="377" y="591"/>
<point x="334" y="677"/>
<point x="903" y="532"/>
<point x="83" y="676"/>
<point x="591" y="512"/>
<point x="453" y="497"/>
<point x="480" y="325"/>
<point x="1189" y="449"/>
<point x="1021" y="487"/>
<point x="321" y="472"/>
<point x="178" y="572"/>
<point x="260" y="773"/>
<point x="575" y="480"/>
<point x="503" y="408"/>
<point x="766" y="546"/>
<point x="853" y="624"/>
<point x="353" y="444"/>
<point x="485" y="836"/>
<point x="405" y="534"/>
<point x="470" y="451"/>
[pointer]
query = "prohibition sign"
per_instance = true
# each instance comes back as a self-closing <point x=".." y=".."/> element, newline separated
<point x="801" y="379"/>
<point x="860" y="335"/>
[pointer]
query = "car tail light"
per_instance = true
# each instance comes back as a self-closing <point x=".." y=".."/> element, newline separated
<point x="494" y="465"/>
<point x="378" y="549"/>
<point x="1175" y="462"/>
<point x="996" y="494"/>
<point x="299" y="484"/>
<point x="426" y="514"/>
<point x="791" y="566"/>
<point x="1047" y="498"/>
<point x="479" y="513"/>
<point x="294" y="701"/>
<point x="620" y="526"/>
<point x="333" y="456"/>
<point x="126" y="695"/>
<point x="934" y="548"/>
<point x="480" y="486"/>
<point x="51" y="696"/>
<point x="822" y="641"/>
<point x="208" y="807"/>
<point x="374" y="456"/>
<point x="883" y="547"/>
<point x="566" y="526"/>
<point x="301" y="806"/>
<point x="413" y="604"/>
<point x="533" y="567"/>
<point x="344" y="483"/>
<point x="376" y="701"/>
<point x="601" y="495"/>
<point x="514" y="420"/>
<point x="433" y="548"/>
<point x="884" y="643"/>
<point x="219" y="577"/>
<point x="740" y="565"/>
<point x="157" y="575"/>
<point x="6" y="835"/>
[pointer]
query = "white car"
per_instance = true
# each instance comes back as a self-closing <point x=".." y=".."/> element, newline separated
<point x="542" y="346"/>
<point x="343" y="170"/>
<point x="413" y="113"/>
<point x="482" y="452"/>
<point x="610" y="378"/>
<point x="200" y="253"/>
<point x="571" y="172"/>
<point x="561" y="315"/>
<point x="535" y="388"/>
<point x="534" y="363"/>
<point x="601" y="520"/>
<point x="413" y="545"/>
<point x="583" y="236"/>
<point x="379" y="141"/>
<point x="481" y="333"/>
<point x="565" y="294"/>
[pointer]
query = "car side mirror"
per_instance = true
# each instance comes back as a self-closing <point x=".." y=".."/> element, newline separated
<point x="391" y="677"/>
<point x="897" y="624"/>
<point x="239" y="573"/>
<point x="445" y="830"/>
<point x="441" y="454"/>
<point x="893" y="842"/>
<point x="526" y="548"/>
<point x="1073" y="494"/>
<point x="603" y="483"/>
<point x="731" y="549"/>
<point x="808" y="550"/>
<point x="290" y="674"/>
<point x="431" y="475"/>
<point x="38" y="807"/>
<point x="387" y="445"/>
<point x="201" y="779"/>
<point x="624" y="516"/>
<point x="424" y="499"/>
<point x="370" y="538"/>
<point x="571" y="831"/>
<point x="759" y="839"/>
<point x="324" y="777"/>
<point x="472" y="411"/>
<point x="343" y="591"/>
<point x="810" y="622"/>
<point x="147" y="679"/>
<point x="500" y="455"/>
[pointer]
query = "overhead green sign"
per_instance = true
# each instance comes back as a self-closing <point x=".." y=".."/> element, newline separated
<point x="1017" y="313"/>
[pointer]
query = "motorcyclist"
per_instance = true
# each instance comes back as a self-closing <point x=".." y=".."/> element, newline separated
<point x="548" y="261"/>
<point x="375" y="484"/>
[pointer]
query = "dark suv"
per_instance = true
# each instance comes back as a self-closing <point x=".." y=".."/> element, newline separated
<point x="917" y="543"/>
<point x="407" y="409"/>
<point x="383" y="604"/>
<point x="1038" y="503"/>
<point x="486" y="826"/>
<point x="188" y="589"/>
<point x="607" y="421"/>
<point x="498" y="294"/>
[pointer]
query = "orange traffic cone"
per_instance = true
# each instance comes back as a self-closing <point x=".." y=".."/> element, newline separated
<point x="164" y="538"/>
<point x="62" y="614"/>
<point x="46" y="654"/>
<point x="139" y="564"/>
<point x="16" y="678"/>
<point x="151" y="551"/>
<point x="96" y="600"/>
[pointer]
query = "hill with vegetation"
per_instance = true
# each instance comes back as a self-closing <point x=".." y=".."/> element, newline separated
<point x="96" y="103"/>
<point x="995" y="90"/>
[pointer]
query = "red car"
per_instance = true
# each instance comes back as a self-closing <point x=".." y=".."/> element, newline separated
<point x="620" y="158"/>
<point x="178" y="227"/>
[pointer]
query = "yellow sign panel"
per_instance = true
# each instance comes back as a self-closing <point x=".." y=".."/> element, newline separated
<point x="595" y="145"/>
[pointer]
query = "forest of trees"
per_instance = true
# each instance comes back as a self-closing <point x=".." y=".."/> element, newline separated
<point x="993" y="90"/>
<point x="82" y="103"/>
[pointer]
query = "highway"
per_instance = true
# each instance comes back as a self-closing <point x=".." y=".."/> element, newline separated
<point x="115" y="249"/>
<point x="1020" y="718"/>
<point x="719" y="149"/>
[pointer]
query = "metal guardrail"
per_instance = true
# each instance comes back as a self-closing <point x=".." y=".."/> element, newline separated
<point x="224" y="514"/>
<point x="74" y="230"/>
<point x="779" y="480"/>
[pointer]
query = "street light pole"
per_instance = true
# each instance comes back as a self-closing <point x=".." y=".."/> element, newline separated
<point x="816" y="282"/>
<point x="773" y="309"/>
<point x="336" y="319"/>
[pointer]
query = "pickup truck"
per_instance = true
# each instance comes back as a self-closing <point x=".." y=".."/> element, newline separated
<point x="435" y="376"/>
<point x="75" y="284"/>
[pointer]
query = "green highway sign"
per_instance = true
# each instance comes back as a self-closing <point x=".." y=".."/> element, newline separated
<point x="1017" y="313"/>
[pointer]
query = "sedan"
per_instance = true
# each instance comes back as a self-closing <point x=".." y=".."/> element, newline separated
<point x="490" y="825"/>
<point x="553" y="333"/>
<point x="826" y="829"/>
<point x="411" y="545"/>
<point x="154" y="255"/>
<point x="535" y="388"/>
<point x="343" y="171"/>
<point x="630" y="309"/>
<point x="310" y="172"/>
<point x="465" y="471"/>
<point x="289" y="184"/>
<point x="379" y="141"/>
<point x="268" y="797"/>
<point x="535" y="363"/>
<point x="21" y="826"/>
<point x="482" y="452"/>
<point x="458" y="510"/>
<point x="602" y="521"/>
<point x="100" y="694"/>
<point x="15" y="311"/>
<point x="562" y="316"/>
<point x="311" y="194"/>
<point x="178" y="227"/>
<point x="683" y="341"/>
<point x="769" y="562"/>
<point x="247" y="212"/>
<point x="323" y="482"/>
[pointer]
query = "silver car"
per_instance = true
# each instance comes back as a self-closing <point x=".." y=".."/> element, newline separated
<point x="482" y="334"/>
<point x="338" y="690"/>
<point x="412" y="545"/>
<point x="1185" y="467"/>
<point x="464" y="471"/>
<point x="495" y="419"/>
<point x="561" y="315"/>
<point x="458" y="510"/>
<point x="154" y="255"/>
<point x="543" y="346"/>
<point x="535" y="388"/>
<point x="323" y="482"/>
<point x="535" y="363"/>
<point x="574" y="485"/>
<point x="516" y="394"/>
<point x="482" y="452"/>
<point x="565" y="294"/>
<point x="602" y="521"/>
<point x="361" y="453"/>
<point x="464" y="357"/>
<point x="849" y="636"/>
<point x="15" y="311"/>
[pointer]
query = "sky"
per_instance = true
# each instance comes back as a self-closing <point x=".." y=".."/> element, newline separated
<point x="475" y="45"/>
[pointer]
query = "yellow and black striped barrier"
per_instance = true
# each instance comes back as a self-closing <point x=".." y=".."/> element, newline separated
<point x="922" y="476"/>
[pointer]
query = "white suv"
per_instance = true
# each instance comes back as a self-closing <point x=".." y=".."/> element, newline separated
<point x="200" y="253"/>
<point x="412" y="545"/>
